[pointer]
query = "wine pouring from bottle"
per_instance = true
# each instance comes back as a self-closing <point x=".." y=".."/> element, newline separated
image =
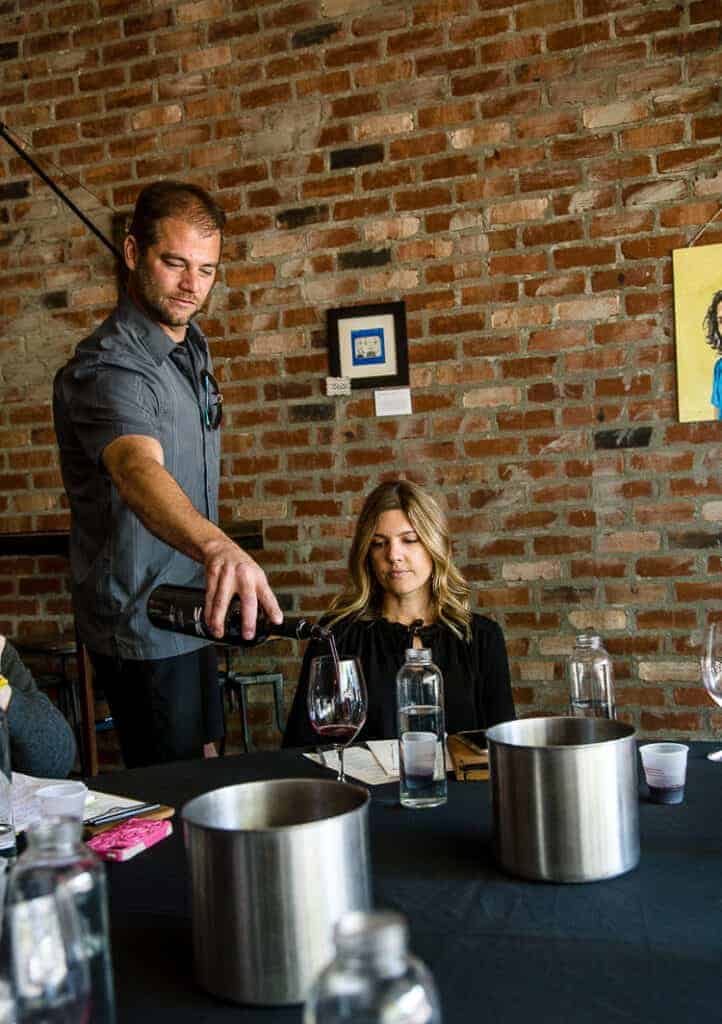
<point x="180" y="610"/>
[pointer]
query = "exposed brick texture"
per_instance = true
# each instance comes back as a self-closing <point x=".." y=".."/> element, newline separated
<point x="519" y="173"/>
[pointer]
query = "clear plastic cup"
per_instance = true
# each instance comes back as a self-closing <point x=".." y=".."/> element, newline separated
<point x="64" y="799"/>
<point x="419" y="749"/>
<point x="665" y="769"/>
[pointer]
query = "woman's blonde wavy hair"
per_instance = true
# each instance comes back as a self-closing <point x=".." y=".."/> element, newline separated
<point x="362" y="597"/>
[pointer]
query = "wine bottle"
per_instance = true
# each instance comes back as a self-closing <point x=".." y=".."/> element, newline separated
<point x="180" y="610"/>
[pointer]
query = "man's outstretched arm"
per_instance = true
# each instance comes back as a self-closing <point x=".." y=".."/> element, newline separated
<point x="135" y="465"/>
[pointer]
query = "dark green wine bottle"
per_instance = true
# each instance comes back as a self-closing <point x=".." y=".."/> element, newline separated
<point x="180" y="610"/>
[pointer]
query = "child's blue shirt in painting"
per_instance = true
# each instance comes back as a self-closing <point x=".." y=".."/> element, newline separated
<point x="717" y="387"/>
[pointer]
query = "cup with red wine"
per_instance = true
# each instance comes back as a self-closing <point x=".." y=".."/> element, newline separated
<point x="337" y="701"/>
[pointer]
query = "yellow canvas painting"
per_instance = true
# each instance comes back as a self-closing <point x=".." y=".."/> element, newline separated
<point x="698" y="331"/>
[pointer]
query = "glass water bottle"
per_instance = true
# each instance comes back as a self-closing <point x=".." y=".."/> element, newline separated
<point x="421" y="730"/>
<point x="56" y="862"/>
<point x="591" y="679"/>
<point x="373" y="979"/>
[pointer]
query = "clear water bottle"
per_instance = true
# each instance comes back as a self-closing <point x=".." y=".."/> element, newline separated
<point x="7" y="826"/>
<point x="56" y="861"/>
<point x="591" y="679"/>
<point x="420" y="704"/>
<point x="373" y="979"/>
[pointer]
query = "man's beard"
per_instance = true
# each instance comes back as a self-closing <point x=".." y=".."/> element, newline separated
<point x="158" y="305"/>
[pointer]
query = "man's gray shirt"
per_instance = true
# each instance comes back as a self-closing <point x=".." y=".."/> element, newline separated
<point x="122" y="381"/>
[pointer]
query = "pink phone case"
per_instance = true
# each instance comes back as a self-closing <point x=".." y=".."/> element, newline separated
<point x="129" y="837"/>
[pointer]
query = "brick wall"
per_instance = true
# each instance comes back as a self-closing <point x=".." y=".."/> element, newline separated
<point x="519" y="173"/>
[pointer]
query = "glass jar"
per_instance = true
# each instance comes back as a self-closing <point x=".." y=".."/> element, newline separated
<point x="421" y="730"/>
<point x="373" y="979"/>
<point x="58" y="865"/>
<point x="591" y="679"/>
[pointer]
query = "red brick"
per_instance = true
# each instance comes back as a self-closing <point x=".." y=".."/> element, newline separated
<point x="482" y="81"/>
<point x="518" y="264"/>
<point x="538" y="419"/>
<point x="417" y="39"/>
<point x="491" y="447"/>
<point x="510" y="103"/>
<point x="449" y="167"/>
<point x="352" y="209"/>
<point x="669" y="566"/>
<point x="561" y="545"/>
<point x="681" y="43"/>
<point x="445" y="61"/>
<point x="550" y="234"/>
<point x="576" y="36"/>
<point x="670" y="721"/>
<point x="356" y="53"/>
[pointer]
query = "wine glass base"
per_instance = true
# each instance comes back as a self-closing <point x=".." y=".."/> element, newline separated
<point x="715" y="755"/>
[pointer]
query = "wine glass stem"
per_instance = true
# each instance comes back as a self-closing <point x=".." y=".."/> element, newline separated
<point x="339" y="750"/>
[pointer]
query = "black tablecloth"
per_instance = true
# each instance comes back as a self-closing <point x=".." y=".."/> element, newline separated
<point x="643" y="947"/>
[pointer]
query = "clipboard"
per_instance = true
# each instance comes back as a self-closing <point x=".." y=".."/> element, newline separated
<point x="470" y="765"/>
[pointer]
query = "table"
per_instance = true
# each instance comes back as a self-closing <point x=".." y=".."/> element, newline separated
<point x="643" y="947"/>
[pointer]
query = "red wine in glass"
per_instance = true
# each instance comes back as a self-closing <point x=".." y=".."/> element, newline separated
<point x="337" y="700"/>
<point x="340" y="733"/>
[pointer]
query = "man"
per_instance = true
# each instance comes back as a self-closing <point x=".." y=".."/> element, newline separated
<point x="137" y="412"/>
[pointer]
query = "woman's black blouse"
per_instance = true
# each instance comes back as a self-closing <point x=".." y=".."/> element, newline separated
<point x="477" y="687"/>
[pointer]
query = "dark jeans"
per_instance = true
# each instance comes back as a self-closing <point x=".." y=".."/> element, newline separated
<point x="163" y="710"/>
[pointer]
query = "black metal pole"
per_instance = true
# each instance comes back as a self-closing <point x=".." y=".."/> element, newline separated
<point x="49" y="181"/>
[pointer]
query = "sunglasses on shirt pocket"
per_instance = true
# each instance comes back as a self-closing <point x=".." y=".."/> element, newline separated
<point x="212" y="401"/>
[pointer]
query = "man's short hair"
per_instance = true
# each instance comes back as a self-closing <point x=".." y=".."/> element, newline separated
<point x="174" y="199"/>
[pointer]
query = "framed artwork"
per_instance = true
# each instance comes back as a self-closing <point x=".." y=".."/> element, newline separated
<point x="368" y="345"/>
<point x="698" y="331"/>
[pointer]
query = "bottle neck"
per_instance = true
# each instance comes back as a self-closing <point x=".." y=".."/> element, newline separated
<point x="589" y="642"/>
<point x="374" y="941"/>
<point x="418" y="656"/>
<point x="294" y="629"/>
<point x="54" y="835"/>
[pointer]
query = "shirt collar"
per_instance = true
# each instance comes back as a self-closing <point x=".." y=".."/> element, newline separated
<point x="158" y="343"/>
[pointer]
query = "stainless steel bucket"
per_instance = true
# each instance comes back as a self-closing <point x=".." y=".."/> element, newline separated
<point x="565" y="798"/>
<point x="273" y="866"/>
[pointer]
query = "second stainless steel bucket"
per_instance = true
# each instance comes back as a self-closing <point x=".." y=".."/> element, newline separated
<point x="565" y="798"/>
<point x="273" y="866"/>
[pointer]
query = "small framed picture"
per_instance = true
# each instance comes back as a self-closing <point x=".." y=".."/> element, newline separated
<point x="368" y="345"/>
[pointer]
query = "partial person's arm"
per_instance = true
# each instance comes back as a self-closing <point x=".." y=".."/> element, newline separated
<point x="493" y="684"/>
<point x="135" y="465"/>
<point x="41" y="740"/>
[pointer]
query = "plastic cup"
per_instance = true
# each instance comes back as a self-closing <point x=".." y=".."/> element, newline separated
<point x="419" y="749"/>
<point x="665" y="769"/>
<point x="64" y="799"/>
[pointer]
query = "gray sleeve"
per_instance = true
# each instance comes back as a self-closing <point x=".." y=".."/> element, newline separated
<point x="109" y="402"/>
<point x="41" y="740"/>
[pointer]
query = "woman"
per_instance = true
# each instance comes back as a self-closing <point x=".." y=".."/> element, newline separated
<point x="404" y="590"/>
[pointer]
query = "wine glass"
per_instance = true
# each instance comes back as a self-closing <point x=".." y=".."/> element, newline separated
<point x="337" y="701"/>
<point x="711" y="663"/>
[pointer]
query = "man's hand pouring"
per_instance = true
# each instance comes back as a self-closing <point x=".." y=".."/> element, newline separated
<point x="231" y="571"/>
